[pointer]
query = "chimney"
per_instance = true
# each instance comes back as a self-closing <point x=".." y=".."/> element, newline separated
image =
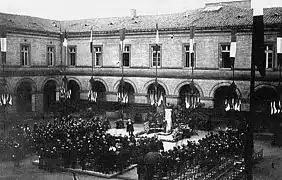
<point x="133" y="13"/>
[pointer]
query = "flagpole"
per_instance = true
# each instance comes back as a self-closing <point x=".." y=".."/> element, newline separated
<point x="122" y="37"/>
<point x="66" y="63"/>
<point x="4" y="79"/>
<point x="156" y="83"/>
<point x="92" y="68"/>
<point x="157" y="58"/>
<point x="191" y="48"/>
<point x="257" y="44"/>
<point x="192" y="63"/>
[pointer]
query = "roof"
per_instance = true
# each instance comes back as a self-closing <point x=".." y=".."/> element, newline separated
<point x="272" y="16"/>
<point x="12" y="21"/>
<point x="218" y="16"/>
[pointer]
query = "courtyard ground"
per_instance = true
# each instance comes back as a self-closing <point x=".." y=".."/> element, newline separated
<point x="268" y="169"/>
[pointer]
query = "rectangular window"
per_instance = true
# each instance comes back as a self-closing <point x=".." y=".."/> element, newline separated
<point x="188" y="56"/>
<point x="126" y="56"/>
<point x="225" y="61"/>
<point x="98" y="56"/>
<point x="268" y="56"/>
<point x="156" y="55"/>
<point x="25" y="55"/>
<point x="50" y="56"/>
<point x="72" y="56"/>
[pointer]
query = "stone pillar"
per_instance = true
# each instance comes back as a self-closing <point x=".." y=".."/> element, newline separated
<point x="207" y="101"/>
<point x="13" y="109"/>
<point x="111" y="96"/>
<point x="245" y="106"/>
<point x="172" y="99"/>
<point x="84" y="94"/>
<point x="57" y="95"/>
<point x="33" y="102"/>
<point x="141" y="98"/>
<point x="37" y="102"/>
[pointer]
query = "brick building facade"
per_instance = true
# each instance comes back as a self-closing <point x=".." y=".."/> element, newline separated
<point x="36" y="58"/>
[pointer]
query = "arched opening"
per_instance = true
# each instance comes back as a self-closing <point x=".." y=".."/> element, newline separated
<point x="188" y="90"/>
<point x="24" y="97"/>
<point x="49" y="95"/>
<point x="156" y="94"/>
<point x="128" y="91"/>
<point x="3" y="90"/>
<point x="262" y="98"/>
<point x="100" y="89"/>
<point x="75" y="90"/>
<point x="221" y="94"/>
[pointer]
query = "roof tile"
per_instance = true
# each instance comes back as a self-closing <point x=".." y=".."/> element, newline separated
<point x="223" y="16"/>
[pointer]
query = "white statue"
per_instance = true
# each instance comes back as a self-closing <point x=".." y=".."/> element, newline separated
<point x="168" y="120"/>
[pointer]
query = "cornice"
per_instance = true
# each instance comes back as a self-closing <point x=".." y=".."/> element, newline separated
<point x="33" y="32"/>
<point x="219" y="29"/>
<point x="147" y="73"/>
<point x="133" y="32"/>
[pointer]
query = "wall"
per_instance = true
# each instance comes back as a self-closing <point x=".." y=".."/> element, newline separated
<point x="38" y="48"/>
<point x="172" y="75"/>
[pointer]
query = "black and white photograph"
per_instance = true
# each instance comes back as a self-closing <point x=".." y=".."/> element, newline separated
<point x="141" y="90"/>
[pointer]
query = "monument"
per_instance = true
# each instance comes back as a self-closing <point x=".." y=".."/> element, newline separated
<point x="168" y="112"/>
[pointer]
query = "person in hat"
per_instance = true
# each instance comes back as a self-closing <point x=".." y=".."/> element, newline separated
<point x="129" y="127"/>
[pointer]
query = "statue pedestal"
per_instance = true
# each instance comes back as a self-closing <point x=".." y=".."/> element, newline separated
<point x="168" y="120"/>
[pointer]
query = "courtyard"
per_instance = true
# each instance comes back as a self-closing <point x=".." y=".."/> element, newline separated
<point x="268" y="168"/>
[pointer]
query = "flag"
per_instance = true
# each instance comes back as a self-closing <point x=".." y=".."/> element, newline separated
<point x="65" y="43"/>
<point x="152" y="100"/>
<point x="91" y="40"/>
<point x="157" y="34"/>
<point x="191" y="44"/>
<point x="192" y="34"/>
<point x="279" y="45"/>
<point x="3" y="49"/>
<point x="122" y="37"/>
<point x="258" y="44"/>
<point x="271" y="108"/>
<point x="187" y="105"/>
<point x="161" y="99"/>
<point x="274" y="108"/>
<point x="233" y="47"/>
<point x="227" y="108"/>
<point x="3" y="45"/>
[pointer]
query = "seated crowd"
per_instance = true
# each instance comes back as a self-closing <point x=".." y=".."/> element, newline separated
<point x="208" y="153"/>
<point x="84" y="143"/>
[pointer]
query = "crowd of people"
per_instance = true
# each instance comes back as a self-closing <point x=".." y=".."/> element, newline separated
<point x="208" y="153"/>
<point x="16" y="143"/>
<point x="77" y="143"/>
<point x="83" y="142"/>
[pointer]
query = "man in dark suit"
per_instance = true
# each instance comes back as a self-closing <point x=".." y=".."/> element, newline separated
<point x="129" y="127"/>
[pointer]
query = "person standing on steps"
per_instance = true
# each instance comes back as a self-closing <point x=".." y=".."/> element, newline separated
<point x="129" y="127"/>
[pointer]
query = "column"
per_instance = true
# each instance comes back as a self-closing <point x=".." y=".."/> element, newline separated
<point x="37" y="102"/>
<point x="84" y="95"/>
<point x="172" y="99"/>
<point x="208" y="101"/>
<point x="141" y="98"/>
<point x="33" y="100"/>
<point x="111" y="96"/>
